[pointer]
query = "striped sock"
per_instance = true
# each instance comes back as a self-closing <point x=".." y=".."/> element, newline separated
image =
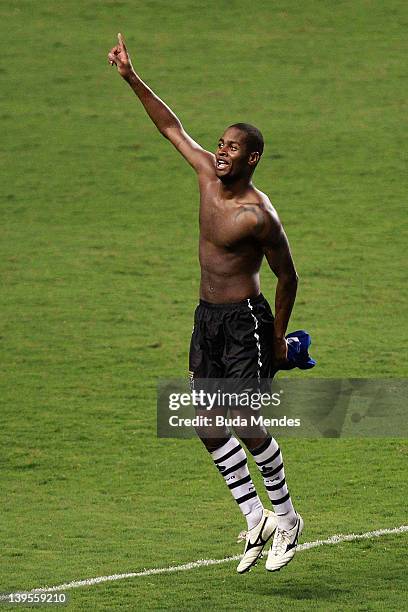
<point x="268" y="458"/>
<point x="231" y="461"/>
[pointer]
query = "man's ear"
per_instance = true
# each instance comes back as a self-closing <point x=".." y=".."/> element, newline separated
<point x="253" y="158"/>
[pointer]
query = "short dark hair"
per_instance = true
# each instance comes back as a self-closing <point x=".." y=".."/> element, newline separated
<point x="254" y="138"/>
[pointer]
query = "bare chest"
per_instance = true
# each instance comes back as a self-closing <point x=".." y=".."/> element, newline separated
<point x="218" y="221"/>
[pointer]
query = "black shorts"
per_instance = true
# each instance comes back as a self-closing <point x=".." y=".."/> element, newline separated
<point x="232" y="341"/>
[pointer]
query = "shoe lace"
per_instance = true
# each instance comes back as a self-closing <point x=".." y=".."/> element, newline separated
<point x="282" y="539"/>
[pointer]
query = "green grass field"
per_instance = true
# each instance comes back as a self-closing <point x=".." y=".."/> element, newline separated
<point x="100" y="279"/>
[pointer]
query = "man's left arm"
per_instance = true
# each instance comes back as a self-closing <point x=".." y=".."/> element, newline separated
<point x="277" y="252"/>
<point x="264" y="225"/>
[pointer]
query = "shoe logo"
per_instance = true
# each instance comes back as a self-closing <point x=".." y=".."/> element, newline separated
<point x="295" y="541"/>
<point x="259" y="540"/>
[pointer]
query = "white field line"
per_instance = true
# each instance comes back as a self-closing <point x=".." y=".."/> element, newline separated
<point x="335" y="539"/>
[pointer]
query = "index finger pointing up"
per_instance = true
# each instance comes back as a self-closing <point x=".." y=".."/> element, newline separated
<point x="121" y="41"/>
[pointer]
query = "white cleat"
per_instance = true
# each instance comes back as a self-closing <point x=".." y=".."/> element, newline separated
<point x="284" y="546"/>
<point x="256" y="538"/>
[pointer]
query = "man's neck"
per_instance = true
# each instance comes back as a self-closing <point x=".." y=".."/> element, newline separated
<point x="229" y="191"/>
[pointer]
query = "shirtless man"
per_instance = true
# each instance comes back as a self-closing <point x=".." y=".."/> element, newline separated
<point x="235" y="335"/>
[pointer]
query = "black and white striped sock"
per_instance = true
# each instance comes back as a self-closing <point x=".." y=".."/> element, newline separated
<point x="268" y="458"/>
<point x="231" y="461"/>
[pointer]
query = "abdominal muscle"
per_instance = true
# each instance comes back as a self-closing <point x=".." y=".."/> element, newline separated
<point x="229" y="275"/>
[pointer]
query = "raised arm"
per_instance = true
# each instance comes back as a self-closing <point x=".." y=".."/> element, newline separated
<point x="162" y="116"/>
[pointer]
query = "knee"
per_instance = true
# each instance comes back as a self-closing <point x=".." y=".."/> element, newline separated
<point x="213" y="444"/>
<point x="252" y="438"/>
<point x="209" y="433"/>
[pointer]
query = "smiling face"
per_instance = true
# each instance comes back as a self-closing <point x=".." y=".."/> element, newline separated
<point x="233" y="159"/>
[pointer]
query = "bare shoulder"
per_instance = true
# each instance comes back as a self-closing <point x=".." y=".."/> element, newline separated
<point x="199" y="158"/>
<point x="207" y="168"/>
<point x="259" y="214"/>
<point x="267" y="206"/>
<point x="208" y="163"/>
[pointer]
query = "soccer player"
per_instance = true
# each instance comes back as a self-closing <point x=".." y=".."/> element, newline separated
<point x="235" y="335"/>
